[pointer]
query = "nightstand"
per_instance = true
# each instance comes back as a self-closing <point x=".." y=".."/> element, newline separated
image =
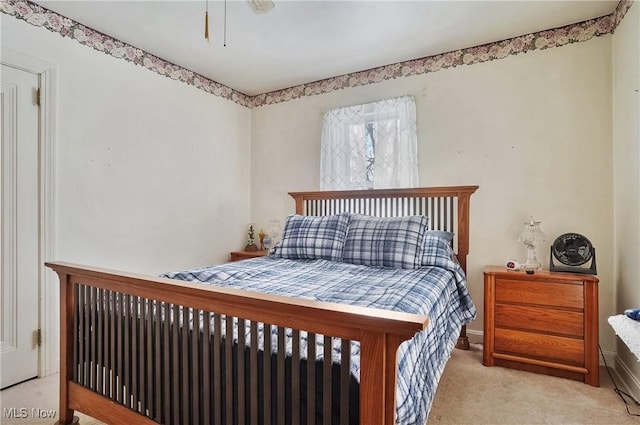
<point x="544" y="322"/>
<point x="243" y="255"/>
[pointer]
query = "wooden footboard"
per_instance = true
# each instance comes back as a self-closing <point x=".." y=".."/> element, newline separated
<point x="142" y="350"/>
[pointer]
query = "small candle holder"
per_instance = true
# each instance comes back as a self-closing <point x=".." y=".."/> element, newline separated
<point x="251" y="244"/>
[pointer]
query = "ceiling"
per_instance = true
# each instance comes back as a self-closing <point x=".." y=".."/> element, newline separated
<point x="303" y="41"/>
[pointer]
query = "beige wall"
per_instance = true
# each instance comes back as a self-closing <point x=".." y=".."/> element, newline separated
<point x="151" y="174"/>
<point x="532" y="130"/>
<point x="626" y="144"/>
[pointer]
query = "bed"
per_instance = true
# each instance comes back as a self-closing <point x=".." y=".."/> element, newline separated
<point x="142" y="349"/>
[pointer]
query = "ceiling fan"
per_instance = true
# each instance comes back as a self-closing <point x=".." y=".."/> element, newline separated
<point x="261" y="6"/>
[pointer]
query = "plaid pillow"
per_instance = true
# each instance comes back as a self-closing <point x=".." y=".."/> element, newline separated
<point x="385" y="242"/>
<point x="448" y="236"/>
<point x="436" y="251"/>
<point x="313" y="237"/>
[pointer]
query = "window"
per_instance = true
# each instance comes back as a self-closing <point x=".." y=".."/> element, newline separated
<point x="370" y="146"/>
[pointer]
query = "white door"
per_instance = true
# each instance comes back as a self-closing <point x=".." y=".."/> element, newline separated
<point x="19" y="227"/>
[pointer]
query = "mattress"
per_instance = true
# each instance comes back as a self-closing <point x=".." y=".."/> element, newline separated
<point x="438" y="292"/>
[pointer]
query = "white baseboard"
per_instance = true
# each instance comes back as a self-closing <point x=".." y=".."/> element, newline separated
<point x="475" y="337"/>
<point x="609" y="357"/>
<point x="625" y="378"/>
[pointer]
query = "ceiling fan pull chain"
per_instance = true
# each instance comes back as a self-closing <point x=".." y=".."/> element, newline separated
<point x="206" y="22"/>
<point x="225" y="24"/>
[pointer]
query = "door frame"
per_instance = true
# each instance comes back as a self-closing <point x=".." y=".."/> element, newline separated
<point x="48" y="286"/>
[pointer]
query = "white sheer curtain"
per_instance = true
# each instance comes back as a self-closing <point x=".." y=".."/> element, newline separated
<point x="374" y="145"/>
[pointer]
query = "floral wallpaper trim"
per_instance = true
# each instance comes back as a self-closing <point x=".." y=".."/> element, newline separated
<point x="41" y="17"/>
<point x="582" y="31"/>
<point x="621" y="10"/>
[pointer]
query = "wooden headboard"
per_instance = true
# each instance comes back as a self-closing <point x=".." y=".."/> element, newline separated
<point x="447" y="207"/>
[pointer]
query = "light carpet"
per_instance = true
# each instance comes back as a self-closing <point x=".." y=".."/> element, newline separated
<point x="470" y="393"/>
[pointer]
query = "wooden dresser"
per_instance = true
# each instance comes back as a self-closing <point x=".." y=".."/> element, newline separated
<point x="544" y="322"/>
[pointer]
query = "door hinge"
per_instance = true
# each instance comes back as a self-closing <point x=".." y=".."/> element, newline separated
<point x="39" y="96"/>
<point x="39" y="337"/>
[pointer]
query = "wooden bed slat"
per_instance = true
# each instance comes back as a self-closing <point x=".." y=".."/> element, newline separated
<point x="131" y="331"/>
<point x="241" y="371"/>
<point x="206" y="370"/>
<point x="280" y="364"/>
<point x="166" y="363"/>
<point x="128" y="340"/>
<point x="184" y="366"/>
<point x="111" y="349"/>
<point x="100" y="359"/>
<point x="158" y="362"/>
<point x="148" y="361"/>
<point x="228" y="376"/>
<point x="266" y="380"/>
<point x="94" y="335"/>
<point x="326" y="381"/>
<point x="175" y="365"/>
<point x="253" y="367"/>
<point x="345" y="376"/>
<point x="195" y="367"/>
<point x="295" y="377"/>
<point x="80" y="339"/>
<point x="217" y="378"/>
<point x="311" y="379"/>
<point x="119" y="348"/>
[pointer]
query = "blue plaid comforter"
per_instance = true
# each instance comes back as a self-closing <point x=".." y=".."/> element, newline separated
<point x="437" y="292"/>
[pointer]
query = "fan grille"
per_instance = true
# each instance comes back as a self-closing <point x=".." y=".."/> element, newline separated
<point x="572" y="249"/>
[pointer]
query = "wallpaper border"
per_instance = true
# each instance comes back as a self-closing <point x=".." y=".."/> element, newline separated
<point x="41" y="17"/>
<point x="574" y="33"/>
<point x="582" y="31"/>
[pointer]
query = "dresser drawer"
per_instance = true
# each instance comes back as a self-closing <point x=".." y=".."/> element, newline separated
<point x="552" y="294"/>
<point x="540" y="319"/>
<point x="549" y="347"/>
